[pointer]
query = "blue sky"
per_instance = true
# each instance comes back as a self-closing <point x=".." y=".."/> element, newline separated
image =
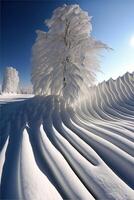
<point x="113" y="23"/>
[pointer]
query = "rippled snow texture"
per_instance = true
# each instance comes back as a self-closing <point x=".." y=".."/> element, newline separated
<point x="52" y="151"/>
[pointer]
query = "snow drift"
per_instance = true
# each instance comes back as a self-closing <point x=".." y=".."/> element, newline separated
<point x="52" y="151"/>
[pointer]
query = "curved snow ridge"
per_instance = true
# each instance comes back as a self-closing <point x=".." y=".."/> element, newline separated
<point x="52" y="151"/>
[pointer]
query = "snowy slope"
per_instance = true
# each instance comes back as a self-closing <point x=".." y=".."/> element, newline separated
<point x="51" y="151"/>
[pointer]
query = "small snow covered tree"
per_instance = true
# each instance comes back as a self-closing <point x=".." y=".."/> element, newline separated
<point x="65" y="58"/>
<point x="10" y="81"/>
<point x="27" y="89"/>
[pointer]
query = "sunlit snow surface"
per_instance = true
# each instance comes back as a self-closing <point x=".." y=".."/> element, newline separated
<point x="51" y="151"/>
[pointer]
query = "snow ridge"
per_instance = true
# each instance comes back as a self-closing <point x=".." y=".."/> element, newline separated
<point x="52" y="151"/>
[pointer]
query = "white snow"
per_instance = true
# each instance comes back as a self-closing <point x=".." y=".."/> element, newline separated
<point x="33" y="182"/>
<point x="2" y="157"/>
<point x="50" y="150"/>
<point x="10" y="97"/>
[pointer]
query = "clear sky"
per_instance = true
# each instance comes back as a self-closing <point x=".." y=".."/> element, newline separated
<point x="113" y="24"/>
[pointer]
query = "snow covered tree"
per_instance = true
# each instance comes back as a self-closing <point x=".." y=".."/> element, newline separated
<point x="27" y="89"/>
<point x="0" y="89"/>
<point x="65" y="59"/>
<point x="10" y="81"/>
